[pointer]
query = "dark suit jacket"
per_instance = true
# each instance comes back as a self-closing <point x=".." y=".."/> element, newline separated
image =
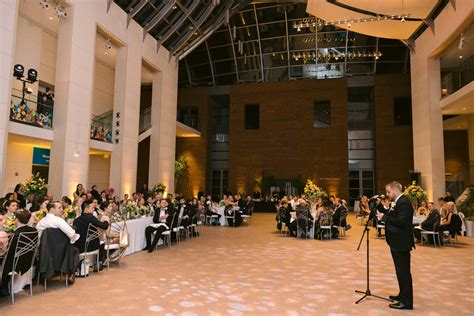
<point x="432" y="219"/>
<point x="24" y="262"/>
<point x="82" y="224"/>
<point x="399" y="225"/>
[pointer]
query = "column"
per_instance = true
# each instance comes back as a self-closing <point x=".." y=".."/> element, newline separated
<point x="73" y="100"/>
<point x="123" y="164"/>
<point x="163" y="122"/>
<point x="428" y="143"/>
<point x="8" y="27"/>
<point x="470" y="134"/>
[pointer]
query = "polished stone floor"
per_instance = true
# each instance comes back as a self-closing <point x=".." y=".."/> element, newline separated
<point x="251" y="270"/>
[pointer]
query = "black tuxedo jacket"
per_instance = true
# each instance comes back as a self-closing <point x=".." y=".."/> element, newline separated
<point x="399" y="225"/>
<point x="169" y="210"/>
<point x="81" y="224"/>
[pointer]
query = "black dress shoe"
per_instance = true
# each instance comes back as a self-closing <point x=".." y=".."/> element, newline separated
<point x="146" y="248"/>
<point x="394" y="297"/>
<point x="151" y="249"/>
<point x="400" y="305"/>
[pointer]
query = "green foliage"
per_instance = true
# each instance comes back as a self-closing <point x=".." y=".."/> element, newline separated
<point x="159" y="188"/>
<point x="35" y="185"/>
<point x="313" y="192"/>
<point x="181" y="169"/>
<point x="467" y="205"/>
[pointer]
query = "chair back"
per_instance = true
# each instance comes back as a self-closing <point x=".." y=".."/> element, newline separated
<point x="5" y="255"/>
<point x="25" y="250"/>
<point x="281" y="215"/>
<point x="251" y="209"/>
<point x="92" y="234"/>
<point x="302" y="217"/>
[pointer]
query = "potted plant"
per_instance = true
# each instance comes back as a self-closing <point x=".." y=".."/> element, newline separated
<point x="181" y="171"/>
<point x="466" y="206"/>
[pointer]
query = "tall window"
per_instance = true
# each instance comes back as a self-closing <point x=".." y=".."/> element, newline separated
<point x="322" y="114"/>
<point x="402" y="110"/>
<point x="189" y="116"/>
<point x="252" y="116"/>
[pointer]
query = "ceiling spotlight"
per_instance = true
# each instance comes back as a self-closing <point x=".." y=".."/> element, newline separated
<point x="108" y="45"/>
<point x="32" y="75"/>
<point x="462" y="40"/>
<point x="18" y="71"/>
<point x="460" y="56"/>
<point x="464" y="109"/>
<point x="45" y="4"/>
<point x="403" y="19"/>
<point x="298" y="29"/>
<point x="59" y="11"/>
<point x="175" y="7"/>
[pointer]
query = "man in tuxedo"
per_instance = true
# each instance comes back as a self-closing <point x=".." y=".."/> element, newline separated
<point x="162" y="221"/>
<point x="399" y="235"/>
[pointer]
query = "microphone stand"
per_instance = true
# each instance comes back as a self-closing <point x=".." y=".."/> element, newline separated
<point x="367" y="292"/>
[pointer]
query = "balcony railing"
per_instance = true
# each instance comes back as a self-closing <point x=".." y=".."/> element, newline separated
<point x="454" y="79"/>
<point x="101" y="127"/>
<point x="27" y="110"/>
<point x="189" y="117"/>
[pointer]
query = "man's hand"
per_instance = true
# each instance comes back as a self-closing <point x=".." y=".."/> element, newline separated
<point x="379" y="215"/>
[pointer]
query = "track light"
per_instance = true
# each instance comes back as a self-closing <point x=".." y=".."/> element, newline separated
<point x="59" y="11"/>
<point x="18" y="71"/>
<point x="108" y="45"/>
<point x="45" y="4"/>
<point x="32" y="75"/>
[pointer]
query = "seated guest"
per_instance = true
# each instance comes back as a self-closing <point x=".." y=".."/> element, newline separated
<point x="248" y="205"/>
<point x="10" y="206"/>
<point x="284" y="217"/>
<point x="183" y="213"/>
<point x="441" y="207"/>
<point x="429" y="223"/>
<point x="304" y="218"/>
<point x="294" y="203"/>
<point x="364" y="207"/>
<point x="53" y="220"/>
<point x="340" y="214"/>
<point x="325" y="218"/>
<point x="452" y="222"/>
<point x="24" y="261"/>
<point x="82" y="225"/>
<point x="162" y="222"/>
<point x="210" y="210"/>
<point x="422" y="210"/>
<point x="229" y="210"/>
<point x="449" y="197"/>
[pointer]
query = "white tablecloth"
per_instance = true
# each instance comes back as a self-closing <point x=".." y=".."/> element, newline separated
<point x="222" y="220"/>
<point x="136" y="229"/>
<point x="418" y="219"/>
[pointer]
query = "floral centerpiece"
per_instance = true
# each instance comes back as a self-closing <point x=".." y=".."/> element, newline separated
<point x="129" y="211"/>
<point x="313" y="192"/>
<point x="415" y="194"/>
<point x="9" y="224"/>
<point x="143" y="210"/>
<point x="39" y="215"/>
<point x="159" y="188"/>
<point x="69" y="214"/>
<point x="35" y="185"/>
<point x="116" y="217"/>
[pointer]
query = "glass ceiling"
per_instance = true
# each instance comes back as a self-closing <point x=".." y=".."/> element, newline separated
<point x="261" y="44"/>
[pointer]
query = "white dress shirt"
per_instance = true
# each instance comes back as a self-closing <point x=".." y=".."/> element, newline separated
<point x="53" y="221"/>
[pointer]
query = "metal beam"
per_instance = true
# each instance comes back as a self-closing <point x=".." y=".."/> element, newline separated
<point x="177" y="24"/>
<point x="376" y="50"/>
<point x="190" y="80"/>
<point x="288" y="57"/>
<point x="207" y="33"/>
<point x="211" y="64"/>
<point x="160" y="15"/>
<point x="345" y="50"/>
<point x="109" y="3"/>
<point x="135" y="10"/>
<point x="259" y="42"/>
<point x="233" y="54"/>
<point x="199" y="23"/>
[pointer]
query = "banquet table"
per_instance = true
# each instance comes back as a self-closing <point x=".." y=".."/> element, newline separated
<point x="418" y="219"/>
<point x="136" y="230"/>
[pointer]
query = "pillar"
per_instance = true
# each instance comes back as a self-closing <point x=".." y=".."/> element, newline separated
<point x="163" y="122"/>
<point x="123" y="164"/>
<point x="73" y="100"/>
<point x="8" y="26"/>
<point x="470" y="133"/>
<point x="428" y="143"/>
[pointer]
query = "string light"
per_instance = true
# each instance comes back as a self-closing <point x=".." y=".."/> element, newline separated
<point x="355" y="54"/>
<point x="307" y="22"/>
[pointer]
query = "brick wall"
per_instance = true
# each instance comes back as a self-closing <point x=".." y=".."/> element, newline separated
<point x="194" y="148"/>
<point x="287" y="145"/>
<point x="393" y="144"/>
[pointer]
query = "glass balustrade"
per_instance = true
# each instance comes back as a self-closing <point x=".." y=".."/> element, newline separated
<point x="101" y="127"/>
<point x="27" y="108"/>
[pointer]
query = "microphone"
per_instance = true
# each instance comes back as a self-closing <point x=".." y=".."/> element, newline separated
<point x="374" y="197"/>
